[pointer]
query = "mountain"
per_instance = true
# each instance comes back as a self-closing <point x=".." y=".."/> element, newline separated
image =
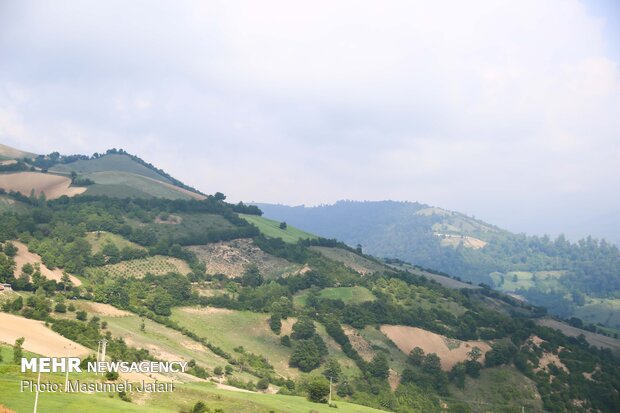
<point x="572" y="279"/>
<point x="269" y="317"/>
<point x="115" y="173"/>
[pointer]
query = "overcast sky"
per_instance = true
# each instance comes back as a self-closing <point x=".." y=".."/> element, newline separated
<point x="506" y="110"/>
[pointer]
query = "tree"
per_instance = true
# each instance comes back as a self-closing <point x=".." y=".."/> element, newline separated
<point x="378" y="366"/>
<point x="318" y="389"/>
<point x="306" y="356"/>
<point x="252" y="276"/>
<point x="81" y="315"/>
<point x="262" y="384"/>
<point x="60" y="308"/>
<point x="332" y="370"/>
<point x="303" y="329"/>
<point x="474" y="354"/>
<point x="199" y="407"/>
<point x="10" y="249"/>
<point x="18" y="350"/>
<point x="275" y="323"/>
<point x="416" y="356"/>
<point x="283" y="225"/>
<point x="219" y="196"/>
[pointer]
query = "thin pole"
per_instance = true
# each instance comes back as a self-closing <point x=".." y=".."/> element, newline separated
<point x="104" y="343"/>
<point x="36" y="397"/>
<point x="330" y="390"/>
<point x="67" y="371"/>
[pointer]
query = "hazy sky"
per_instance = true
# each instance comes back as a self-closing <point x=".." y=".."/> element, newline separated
<point x="507" y="110"/>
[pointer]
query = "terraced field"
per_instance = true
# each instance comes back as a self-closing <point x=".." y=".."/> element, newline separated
<point x="156" y="265"/>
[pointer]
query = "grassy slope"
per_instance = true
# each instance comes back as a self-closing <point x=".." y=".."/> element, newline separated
<point x="500" y="389"/>
<point x="272" y="229"/>
<point x="108" y="163"/>
<point x="120" y="176"/>
<point x="98" y="239"/>
<point x="350" y="295"/>
<point x="230" y="329"/>
<point x="184" y="396"/>
<point x="350" y="259"/>
<point x="6" y="152"/>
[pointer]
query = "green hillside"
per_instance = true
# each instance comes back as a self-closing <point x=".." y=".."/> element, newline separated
<point x="555" y="273"/>
<point x="108" y="163"/>
<point x="391" y="337"/>
<point x="272" y="229"/>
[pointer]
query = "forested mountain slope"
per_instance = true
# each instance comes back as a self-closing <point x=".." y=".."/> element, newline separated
<point x="572" y="279"/>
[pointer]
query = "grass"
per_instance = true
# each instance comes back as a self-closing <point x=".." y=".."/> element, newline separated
<point x="98" y="239"/>
<point x="121" y="184"/>
<point x="350" y="259"/>
<point x="183" y="397"/>
<point x="600" y="310"/>
<point x="163" y="342"/>
<point x="350" y="295"/>
<point x="514" y="280"/>
<point x="381" y="343"/>
<point x="271" y="228"/>
<point x="230" y="329"/>
<point x="156" y="265"/>
<point x="190" y="225"/>
<point x="500" y="389"/>
<point x="115" y="162"/>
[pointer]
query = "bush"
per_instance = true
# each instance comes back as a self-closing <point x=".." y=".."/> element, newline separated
<point x="318" y="389"/>
<point x="262" y="384"/>
<point x="81" y="315"/>
<point x="60" y="308"/>
<point x="275" y="323"/>
<point x="111" y="375"/>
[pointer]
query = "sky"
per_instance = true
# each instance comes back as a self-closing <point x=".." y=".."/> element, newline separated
<point x="505" y="110"/>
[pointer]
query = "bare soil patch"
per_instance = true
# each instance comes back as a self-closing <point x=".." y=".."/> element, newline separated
<point x="39" y="338"/>
<point x="106" y="310"/>
<point x="231" y="258"/>
<point x="359" y="343"/>
<point x="24" y="256"/>
<point x="206" y="310"/>
<point x="450" y="351"/>
<point x="54" y="186"/>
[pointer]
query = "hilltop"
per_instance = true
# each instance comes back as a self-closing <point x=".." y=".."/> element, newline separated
<point x="115" y="173"/>
<point x="266" y="312"/>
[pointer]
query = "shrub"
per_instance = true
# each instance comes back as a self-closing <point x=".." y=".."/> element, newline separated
<point x="318" y="389"/>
